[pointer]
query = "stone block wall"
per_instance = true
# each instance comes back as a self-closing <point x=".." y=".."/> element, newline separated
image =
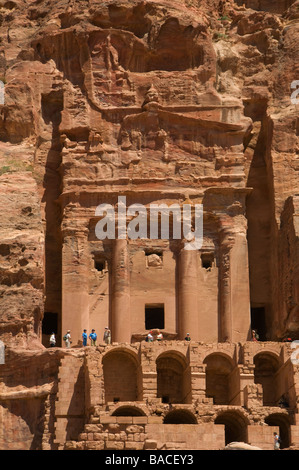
<point x="262" y="436"/>
<point x="70" y="405"/>
<point x="73" y="410"/>
<point x="139" y="433"/>
<point x="142" y="419"/>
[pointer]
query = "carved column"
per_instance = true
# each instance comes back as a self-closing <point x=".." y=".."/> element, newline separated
<point x="234" y="283"/>
<point x="187" y="294"/>
<point x="225" y="287"/>
<point x="240" y="290"/>
<point x="75" y="282"/>
<point x="121" y="318"/>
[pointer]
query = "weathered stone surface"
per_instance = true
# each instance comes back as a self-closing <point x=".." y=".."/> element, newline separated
<point x="21" y="258"/>
<point x="161" y="102"/>
<point x="240" y="446"/>
<point x="99" y="99"/>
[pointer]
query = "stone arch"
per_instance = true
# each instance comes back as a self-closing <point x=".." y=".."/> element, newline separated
<point x="283" y="422"/>
<point x="122" y="377"/>
<point x="219" y="383"/>
<point x="235" y="426"/>
<point x="176" y="354"/>
<point x="267" y="365"/>
<point x="128" y="410"/>
<point x="180" y="416"/>
<point x="127" y="349"/>
<point x="173" y="378"/>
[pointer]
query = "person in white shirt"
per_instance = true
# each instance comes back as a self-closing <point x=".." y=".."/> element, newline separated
<point x="107" y="335"/>
<point x="52" y="340"/>
<point x="149" y="337"/>
<point x="67" y="339"/>
<point x="159" y="336"/>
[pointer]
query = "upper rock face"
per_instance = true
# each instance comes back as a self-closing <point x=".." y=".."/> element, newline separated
<point x="21" y="259"/>
<point x="152" y="95"/>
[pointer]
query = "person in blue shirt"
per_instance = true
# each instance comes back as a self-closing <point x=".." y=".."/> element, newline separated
<point x="93" y="338"/>
<point x="84" y="338"/>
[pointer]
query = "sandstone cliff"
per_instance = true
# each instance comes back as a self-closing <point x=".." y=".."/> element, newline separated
<point x="69" y="68"/>
<point x="168" y="96"/>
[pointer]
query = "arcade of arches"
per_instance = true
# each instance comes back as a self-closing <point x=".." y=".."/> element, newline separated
<point x="181" y="395"/>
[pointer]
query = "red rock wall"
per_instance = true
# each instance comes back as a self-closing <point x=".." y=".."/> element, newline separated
<point x="164" y="102"/>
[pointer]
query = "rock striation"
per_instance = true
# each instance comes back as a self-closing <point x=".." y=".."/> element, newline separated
<point x="182" y="103"/>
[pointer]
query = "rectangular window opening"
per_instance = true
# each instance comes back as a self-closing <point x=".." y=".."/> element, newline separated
<point x="258" y="322"/>
<point x="154" y="258"/>
<point x="50" y="323"/>
<point x="152" y="251"/>
<point x="100" y="264"/>
<point x="207" y="260"/>
<point x="154" y="317"/>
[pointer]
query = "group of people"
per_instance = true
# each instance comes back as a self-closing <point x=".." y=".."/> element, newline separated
<point x="92" y="337"/>
<point x="106" y="337"/>
<point x="159" y="337"/>
<point x="255" y="337"/>
<point x="150" y="337"/>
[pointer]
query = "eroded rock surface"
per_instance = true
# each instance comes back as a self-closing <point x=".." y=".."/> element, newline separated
<point x="163" y="102"/>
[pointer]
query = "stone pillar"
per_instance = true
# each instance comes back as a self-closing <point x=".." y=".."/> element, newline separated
<point x="75" y="283"/>
<point x="120" y="304"/>
<point x="225" y="288"/>
<point x="198" y="383"/>
<point x="187" y="294"/>
<point x="252" y="395"/>
<point x="234" y="283"/>
<point x="240" y="289"/>
<point x="149" y="380"/>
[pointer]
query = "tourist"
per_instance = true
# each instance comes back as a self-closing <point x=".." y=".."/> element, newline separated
<point x="255" y="336"/>
<point x="187" y="338"/>
<point x="276" y="441"/>
<point x="52" y="340"/>
<point x="159" y="336"/>
<point x="93" y="338"/>
<point x="67" y="339"/>
<point x="150" y="337"/>
<point x="107" y="335"/>
<point x="84" y="337"/>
